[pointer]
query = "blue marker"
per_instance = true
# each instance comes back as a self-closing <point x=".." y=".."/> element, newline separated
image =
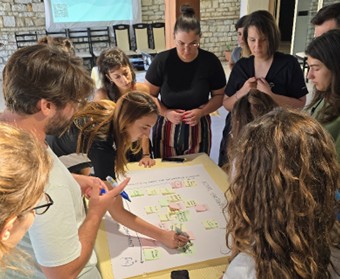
<point x="114" y="184"/>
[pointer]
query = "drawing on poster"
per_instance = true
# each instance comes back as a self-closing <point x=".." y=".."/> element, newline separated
<point x="183" y="198"/>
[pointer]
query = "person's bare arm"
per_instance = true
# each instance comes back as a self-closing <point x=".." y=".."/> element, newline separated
<point x="87" y="233"/>
<point x="229" y="101"/>
<point x="289" y="102"/>
<point x="231" y="64"/>
<point x="140" y="86"/>
<point x="215" y="101"/>
<point x="146" y="160"/>
<point x="283" y="101"/>
<point x="133" y="222"/>
<point x="154" y="92"/>
<point x="192" y="117"/>
<point x="173" y="115"/>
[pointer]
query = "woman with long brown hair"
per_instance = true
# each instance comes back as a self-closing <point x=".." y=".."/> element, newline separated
<point x="117" y="77"/>
<point x="281" y="202"/>
<point x="105" y="131"/>
<point x="324" y="72"/>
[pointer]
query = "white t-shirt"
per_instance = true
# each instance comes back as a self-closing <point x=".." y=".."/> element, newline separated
<point x="54" y="235"/>
<point x="241" y="267"/>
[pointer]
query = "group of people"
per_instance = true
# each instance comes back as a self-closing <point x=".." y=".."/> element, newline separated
<point x="283" y="164"/>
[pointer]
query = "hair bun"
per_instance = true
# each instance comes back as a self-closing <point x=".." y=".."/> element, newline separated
<point x="187" y="10"/>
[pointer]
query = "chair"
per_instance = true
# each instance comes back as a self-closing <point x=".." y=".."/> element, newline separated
<point x="81" y="42"/>
<point x="157" y="42"/>
<point x="122" y="41"/>
<point x="61" y="33"/>
<point x="122" y="38"/>
<point x="99" y="40"/>
<point x="302" y="59"/>
<point x="141" y="35"/>
<point x="26" y="38"/>
<point x="158" y="36"/>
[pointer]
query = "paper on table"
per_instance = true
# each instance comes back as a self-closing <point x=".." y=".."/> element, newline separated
<point x="191" y="186"/>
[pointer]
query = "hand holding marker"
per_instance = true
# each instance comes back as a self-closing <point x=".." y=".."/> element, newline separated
<point x="115" y="184"/>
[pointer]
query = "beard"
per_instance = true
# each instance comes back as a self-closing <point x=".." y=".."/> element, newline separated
<point x="58" y="124"/>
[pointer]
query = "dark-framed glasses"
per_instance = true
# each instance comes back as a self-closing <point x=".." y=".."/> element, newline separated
<point x="182" y="45"/>
<point x="43" y="205"/>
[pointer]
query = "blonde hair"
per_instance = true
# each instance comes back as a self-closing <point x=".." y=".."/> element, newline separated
<point x="102" y="119"/>
<point x="24" y="169"/>
<point x="281" y="201"/>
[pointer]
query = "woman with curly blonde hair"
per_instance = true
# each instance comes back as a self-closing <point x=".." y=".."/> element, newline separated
<point x="281" y="202"/>
<point x="24" y="169"/>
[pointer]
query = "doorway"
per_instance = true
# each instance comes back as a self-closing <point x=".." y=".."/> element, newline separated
<point x="285" y="23"/>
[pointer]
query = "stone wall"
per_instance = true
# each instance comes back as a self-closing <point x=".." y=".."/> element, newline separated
<point x="18" y="15"/>
<point x="217" y="19"/>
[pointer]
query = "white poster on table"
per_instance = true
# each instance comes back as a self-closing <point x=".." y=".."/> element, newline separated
<point x="184" y="198"/>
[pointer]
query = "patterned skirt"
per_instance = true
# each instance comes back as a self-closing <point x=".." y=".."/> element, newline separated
<point x="170" y="140"/>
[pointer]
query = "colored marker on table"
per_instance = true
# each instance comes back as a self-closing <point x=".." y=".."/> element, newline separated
<point x="115" y="184"/>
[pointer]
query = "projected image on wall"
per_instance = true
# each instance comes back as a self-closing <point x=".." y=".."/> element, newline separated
<point x="98" y="10"/>
<point x="87" y="13"/>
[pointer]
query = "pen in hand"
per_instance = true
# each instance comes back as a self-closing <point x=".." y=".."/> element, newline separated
<point x="180" y="232"/>
<point x="113" y="183"/>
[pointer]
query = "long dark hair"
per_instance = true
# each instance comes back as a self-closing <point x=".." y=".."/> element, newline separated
<point x="112" y="59"/>
<point x="326" y="48"/>
<point x="101" y="119"/>
<point x="247" y="109"/>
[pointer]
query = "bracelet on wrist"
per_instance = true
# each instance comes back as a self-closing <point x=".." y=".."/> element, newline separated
<point x="146" y="155"/>
<point x="236" y="96"/>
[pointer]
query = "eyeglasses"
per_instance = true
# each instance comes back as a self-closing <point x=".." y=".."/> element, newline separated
<point x="182" y="45"/>
<point x="43" y="205"/>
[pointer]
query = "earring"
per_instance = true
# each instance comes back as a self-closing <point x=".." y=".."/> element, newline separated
<point x="6" y="236"/>
<point x="108" y="77"/>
